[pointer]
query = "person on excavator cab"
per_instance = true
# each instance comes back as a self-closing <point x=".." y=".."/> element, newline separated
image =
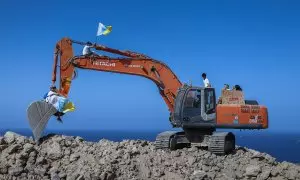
<point x="237" y="88"/>
<point x="226" y="87"/>
<point x="54" y="98"/>
<point x="87" y="49"/>
<point x="205" y="80"/>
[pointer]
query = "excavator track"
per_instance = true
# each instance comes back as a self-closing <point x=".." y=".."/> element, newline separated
<point x="171" y="140"/>
<point x="163" y="139"/>
<point x="221" y="143"/>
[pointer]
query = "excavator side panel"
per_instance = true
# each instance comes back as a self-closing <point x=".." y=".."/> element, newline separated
<point x="242" y="116"/>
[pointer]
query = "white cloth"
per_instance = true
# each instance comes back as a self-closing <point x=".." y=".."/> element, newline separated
<point x="206" y="82"/>
<point x="52" y="97"/>
<point x="86" y="50"/>
<point x="101" y="29"/>
<point x="57" y="101"/>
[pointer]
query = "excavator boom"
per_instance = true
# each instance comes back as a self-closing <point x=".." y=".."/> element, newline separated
<point x="133" y="64"/>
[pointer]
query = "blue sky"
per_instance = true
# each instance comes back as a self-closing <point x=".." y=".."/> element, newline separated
<point x="251" y="43"/>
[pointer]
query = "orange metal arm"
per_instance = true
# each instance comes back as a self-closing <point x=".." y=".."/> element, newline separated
<point x="134" y="64"/>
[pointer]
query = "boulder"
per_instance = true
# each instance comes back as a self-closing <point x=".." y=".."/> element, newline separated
<point x="14" y="171"/>
<point x="252" y="170"/>
<point x="10" y="137"/>
<point x="54" y="151"/>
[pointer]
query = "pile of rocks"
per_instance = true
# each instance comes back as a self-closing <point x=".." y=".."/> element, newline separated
<point x="72" y="158"/>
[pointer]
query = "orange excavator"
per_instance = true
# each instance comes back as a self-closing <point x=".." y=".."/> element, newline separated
<point x="194" y="109"/>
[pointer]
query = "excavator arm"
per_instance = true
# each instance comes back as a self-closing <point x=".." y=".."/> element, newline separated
<point x="129" y="63"/>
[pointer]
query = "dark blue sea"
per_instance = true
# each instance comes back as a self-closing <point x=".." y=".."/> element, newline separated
<point x="282" y="146"/>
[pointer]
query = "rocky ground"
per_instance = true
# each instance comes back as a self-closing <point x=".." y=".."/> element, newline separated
<point x="72" y="158"/>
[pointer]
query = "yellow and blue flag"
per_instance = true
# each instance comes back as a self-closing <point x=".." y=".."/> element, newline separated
<point x="69" y="107"/>
<point x="103" y="30"/>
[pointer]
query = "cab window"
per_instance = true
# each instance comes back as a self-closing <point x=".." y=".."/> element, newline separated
<point x="193" y="99"/>
<point x="192" y="103"/>
<point x="210" y="102"/>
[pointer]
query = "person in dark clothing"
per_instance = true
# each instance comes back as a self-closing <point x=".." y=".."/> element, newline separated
<point x="237" y="88"/>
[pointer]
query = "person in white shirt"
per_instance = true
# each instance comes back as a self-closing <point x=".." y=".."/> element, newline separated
<point x="205" y="80"/>
<point x="87" y="49"/>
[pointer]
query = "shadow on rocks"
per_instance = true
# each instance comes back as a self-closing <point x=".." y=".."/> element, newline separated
<point x="44" y="138"/>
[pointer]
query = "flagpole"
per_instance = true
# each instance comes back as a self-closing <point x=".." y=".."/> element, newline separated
<point x="97" y="35"/>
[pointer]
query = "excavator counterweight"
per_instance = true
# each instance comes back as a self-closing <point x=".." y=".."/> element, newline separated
<point x="194" y="109"/>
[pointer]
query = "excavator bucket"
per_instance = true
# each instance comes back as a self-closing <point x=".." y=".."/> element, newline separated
<point x="38" y="114"/>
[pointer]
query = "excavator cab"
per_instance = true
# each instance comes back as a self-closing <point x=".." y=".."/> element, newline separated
<point x="195" y="107"/>
<point x="196" y="113"/>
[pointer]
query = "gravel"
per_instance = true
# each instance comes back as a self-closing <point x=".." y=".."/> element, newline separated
<point x="59" y="157"/>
